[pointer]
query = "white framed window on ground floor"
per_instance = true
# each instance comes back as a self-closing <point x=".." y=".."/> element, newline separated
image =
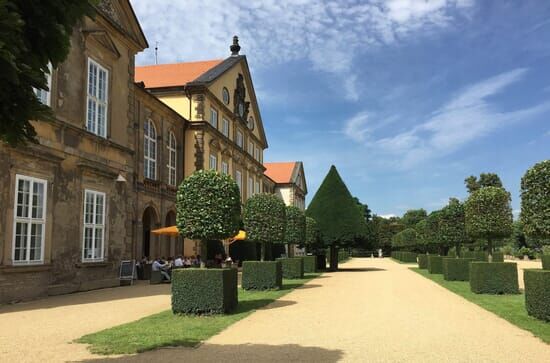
<point x="29" y="220"/>
<point x="93" y="244"/>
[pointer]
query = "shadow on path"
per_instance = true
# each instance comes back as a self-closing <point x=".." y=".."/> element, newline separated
<point x="359" y="269"/>
<point x="232" y="353"/>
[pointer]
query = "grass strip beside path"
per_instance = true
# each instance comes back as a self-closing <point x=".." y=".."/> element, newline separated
<point x="508" y="307"/>
<point x="168" y="330"/>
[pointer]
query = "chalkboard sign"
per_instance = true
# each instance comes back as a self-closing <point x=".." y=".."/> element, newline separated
<point x="127" y="270"/>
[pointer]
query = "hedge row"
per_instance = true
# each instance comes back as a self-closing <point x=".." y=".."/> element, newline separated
<point x="343" y="255"/>
<point x="310" y="264"/>
<point x="494" y="278"/>
<point x="537" y="293"/>
<point x="456" y="269"/>
<point x="404" y="256"/>
<point x="483" y="256"/>
<point x="423" y="261"/>
<point x="204" y="291"/>
<point x="359" y="252"/>
<point x="293" y="267"/>
<point x="259" y="275"/>
<point x="435" y="264"/>
<point x="545" y="262"/>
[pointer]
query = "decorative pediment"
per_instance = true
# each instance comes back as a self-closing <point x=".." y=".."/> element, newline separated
<point x="215" y="144"/>
<point x="104" y="39"/>
<point x="121" y="15"/>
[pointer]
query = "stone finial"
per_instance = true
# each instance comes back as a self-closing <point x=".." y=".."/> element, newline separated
<point x="235" y="47"/>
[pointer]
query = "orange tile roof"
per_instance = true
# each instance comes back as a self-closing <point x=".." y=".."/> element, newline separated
<point x="173" y="75"/>
<point x="280" y="172"/>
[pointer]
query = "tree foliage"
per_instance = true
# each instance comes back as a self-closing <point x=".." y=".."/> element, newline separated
<point x="33" y="34"/>
<point x="452" y="224"/>
<point x="312" y="233"/>
<point x="406" y="239"/>
<point x="364" y="209"/>
<point x="488" y="214"/>
<point x="208" y="206"/>
<point x="264" y="220"/>
<point x="295" y="228"/>
<point x="535" y="200"/>
<point x="411" y="217"/>
<point x="485" y="180"/>
<point x="385" y="229"/>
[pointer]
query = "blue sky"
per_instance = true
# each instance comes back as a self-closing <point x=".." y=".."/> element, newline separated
<point x="405" y="97"/>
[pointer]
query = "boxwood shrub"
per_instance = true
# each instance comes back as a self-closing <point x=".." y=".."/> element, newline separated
<point x="545" y="262"/>
<point x="456" y="269"/>
<point x="435" y="264"/>
<point x="293" y="267"/>
<point x="537" y="293"/>
<point x="204" y="291"/>
<point x="259" y="275"/>
<point x="494" y="278"/>
<point x="310" y="264"/>
<point x="423" y="261"/>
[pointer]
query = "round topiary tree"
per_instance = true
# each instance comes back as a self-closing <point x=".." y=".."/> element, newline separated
<point x="406" y="239"/>
<point x="312" y="233"/>
<point x="295" y="228"/>
<point x="535" y="200"/>
<point x="452" y="225"/>
<point x="208" y="207"/>
<point x="264" y="220"/>
<point x="488" y="215"/>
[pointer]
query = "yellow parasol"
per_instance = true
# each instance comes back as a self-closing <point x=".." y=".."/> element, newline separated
<point x="173" y="231"/>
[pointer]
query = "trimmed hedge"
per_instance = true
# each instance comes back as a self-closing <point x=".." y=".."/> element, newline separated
<point x="293" y="267"/>
<point x="204" y="291"/>
<point x="545" y="262"/>
<point x="310" y="264"/>
<point x="259" y="275"/>
<point x="456" y="269"/>
<point x="483" y="256"/>
<point x="451" y="254"/>
<point x="494" y="278"/>
<point x="423" y="261"/>
<point x="537" y="293"/>
<point x="404" y="256"/>
<point x="435" y="264"/>
<point x="343" y="255"/>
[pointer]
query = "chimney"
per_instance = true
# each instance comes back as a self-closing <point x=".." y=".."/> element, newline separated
<point x="235" y="47"/>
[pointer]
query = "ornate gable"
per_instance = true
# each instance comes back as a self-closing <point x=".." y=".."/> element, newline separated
<point x="121" y="15"/>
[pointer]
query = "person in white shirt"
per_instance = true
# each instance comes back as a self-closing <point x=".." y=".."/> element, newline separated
<point x="178" y="262"/>
<point x="157" y="266"/>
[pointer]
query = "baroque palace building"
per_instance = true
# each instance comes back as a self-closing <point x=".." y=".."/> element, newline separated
<point x="105" y="171"/>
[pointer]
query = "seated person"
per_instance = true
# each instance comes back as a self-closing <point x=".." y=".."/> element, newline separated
<point x="178" y="262"/>
<point x="158" y="266"/>
<point x="187" y="263"/>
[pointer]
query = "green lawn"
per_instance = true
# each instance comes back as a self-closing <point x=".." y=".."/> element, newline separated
<point x="166" y="329"/>
<point x="508" y="307"/>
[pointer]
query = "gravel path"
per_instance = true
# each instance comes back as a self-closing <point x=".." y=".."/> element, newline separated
<point x="372" y="311"/>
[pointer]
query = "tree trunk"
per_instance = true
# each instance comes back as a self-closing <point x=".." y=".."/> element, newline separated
<point x="457" y="247"/>
<point x="490" y="249"/>
<point x="204" y="252"/>
<point x="262" y="252"/>
<point x="333" y="258"/>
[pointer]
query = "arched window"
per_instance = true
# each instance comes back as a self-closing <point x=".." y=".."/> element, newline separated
<point x="172" y="159"/>
<point x="150" y="150"/>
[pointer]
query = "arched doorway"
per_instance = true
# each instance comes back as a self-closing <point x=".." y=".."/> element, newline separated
<point x="149" y="221"/>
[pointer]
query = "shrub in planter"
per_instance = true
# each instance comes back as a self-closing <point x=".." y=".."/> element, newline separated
<point x="423" y="261"/>
<point x="456" y="269"/>
<point x="293" y="267"/>
<point x="204" y="291"/>
<point x="545" y="262"/>
<point x="310" y="264"/>
<point x="435" y="264"/>
<point x="259" y="275"/>
<point x="537" y="293"/>
<point x="494" y="278"/>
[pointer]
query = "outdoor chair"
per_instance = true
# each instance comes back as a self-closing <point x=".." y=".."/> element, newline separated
<point x="156" y="278"/>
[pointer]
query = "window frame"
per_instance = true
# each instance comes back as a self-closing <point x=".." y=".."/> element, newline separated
<point x="239" y="180"/>
<point x="225" y="126"/>
<point x="96" y="99"/>
<point x="225" y="167"/>
<point x="147" y="159"/>
<point x="251" y="148"/>
<point x="239" y="139"/>
<point x="94" y="226"/>
<point x="29" y="220"/>
<point x="213" y="159"/>
<point x="172" y="159"/>
<point x="250" y="187"/>
<point x="39" y="92"/>
<point x="213" y="112"/>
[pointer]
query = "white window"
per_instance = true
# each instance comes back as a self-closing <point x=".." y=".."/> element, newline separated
<point x="250" y="186"/>
<point x="149" y="150"/>
<point x="96" y="120"/>
<point x="213" y="162"/>
<point x="42" y="94"/>
<point x="225" y="167"/>
<point x="214" y="118"/>
<point x="239" y="180"/>
<point x="225" y="127"/>
<point x="94" y="226"/>
<point x="30" y="220"/>
<point x="257" y="187"/>
<point x="257" y="153"/>
<point x="240" y="142"/>
<point x="172" y="158"/>
<point x="251" y="148"/>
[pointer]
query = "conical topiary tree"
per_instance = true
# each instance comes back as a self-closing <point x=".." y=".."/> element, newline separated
<point x="208" y="207"/>
<point x="295" y="228"/>
<point x="264" y="220"/>
<point x="336" y="214"/>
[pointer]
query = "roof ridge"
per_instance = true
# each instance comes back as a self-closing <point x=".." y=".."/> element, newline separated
<point x="178" y="63"/>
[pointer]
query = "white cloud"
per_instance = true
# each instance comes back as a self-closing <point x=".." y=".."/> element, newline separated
<point x="469" y="115"/>
<point x="387" y="216"/>
<point x="328" y="34"/>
